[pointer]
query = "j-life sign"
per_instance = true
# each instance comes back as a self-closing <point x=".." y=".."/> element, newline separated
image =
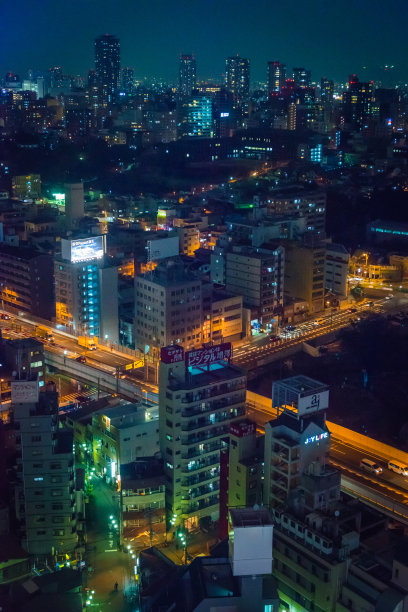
<point x="317" y="437"/>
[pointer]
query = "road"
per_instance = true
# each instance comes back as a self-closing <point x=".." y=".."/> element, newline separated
<point x="346" y="458"/>
<point x="249" y="355"/>
<point x="109" y="565"/>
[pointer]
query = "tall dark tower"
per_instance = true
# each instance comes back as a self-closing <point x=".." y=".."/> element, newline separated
<point x="187" y="74"/>
<point x="107" y="67"/>
<point x="276" y="76"/>
<point x="237" y="78"/>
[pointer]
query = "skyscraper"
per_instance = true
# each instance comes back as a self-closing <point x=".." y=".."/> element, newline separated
<point x="187" y="74"/>
<point x="302" y="77"/>
<point x="326" y="91"/>
<point x="276" y="76"/>
<point x="357" y="101"/>
<point x="107" y="67"/>
<point x="237" y="78"/>
<point x="196" y="116"/>
<point x="128" y="80"/>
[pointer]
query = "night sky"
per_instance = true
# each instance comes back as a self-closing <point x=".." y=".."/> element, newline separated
<point x="331" y="37"/>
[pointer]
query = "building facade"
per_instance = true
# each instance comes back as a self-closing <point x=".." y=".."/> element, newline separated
<point x="168" y="307"/>
<point x="197" y="404"/>
<point x="45" y="494"/>
<point x="26" y="281"/>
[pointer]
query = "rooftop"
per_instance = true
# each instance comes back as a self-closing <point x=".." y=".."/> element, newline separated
<point x="249" y="517"/>
<point x="302" y="384"/>
<point x="219" y="372"/>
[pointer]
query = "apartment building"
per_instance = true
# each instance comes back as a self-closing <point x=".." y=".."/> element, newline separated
<point x="200" y="395"/>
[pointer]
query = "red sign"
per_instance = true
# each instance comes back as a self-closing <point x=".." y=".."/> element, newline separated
<point x="206" y="356"/>
<point x="172" y="354"/>
<point x="242" y="429"/>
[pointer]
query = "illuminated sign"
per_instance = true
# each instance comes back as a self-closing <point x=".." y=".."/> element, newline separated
<point x="317" y="438"/>
<point x="59" y="196"/>
<point x="207" y="356"/>
<point x="224" y="114"/>
<point x="313" y="403"/>
<point x="83" y="249"/>
<point x="172" y="354"/>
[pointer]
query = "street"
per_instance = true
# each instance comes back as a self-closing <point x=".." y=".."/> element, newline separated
<point x="108" y="564"/>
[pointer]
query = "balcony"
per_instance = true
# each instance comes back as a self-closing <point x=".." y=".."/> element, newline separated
<point x="201" y="478"/>
<point x="208" y="422"/>
<point x="206" y="407"/>
<point x="207" y="448"/>
<point x="216" y="432"/>
<point x="203" y="465"/>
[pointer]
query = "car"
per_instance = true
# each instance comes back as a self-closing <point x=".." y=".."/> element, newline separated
<point x="290" y="328"/>
<point x="81" y="359"/>
<point x="5" y="316"/>
<point x="353" y="309"/>
<point x="274" y="338"/>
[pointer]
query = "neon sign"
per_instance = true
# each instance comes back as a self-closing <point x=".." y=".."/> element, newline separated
<point x="317" y="438"/>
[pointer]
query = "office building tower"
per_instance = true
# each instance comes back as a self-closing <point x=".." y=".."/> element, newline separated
<point x="357" y="102"/>
<point x="302" y="77"/>
<point x="168" y="307"/>
<point x="187" y="75"/>
<point x="92" y="92"/>
<point x="107" y="68"/>
<point x="56" y="77"/>
<point x="237" y="78"/>
<point x="326" y="91"/>
<point x="291" y="120"/>
<point x="74" y="204"/>
<point x="305" y="274"/>
<point x="86" y="289"/>
<point x="257" y="275"/>
<point x="26" y="281"/>
<point x="196" y="118"/>
<point x="128" y="80"/>
<point x="276" y="77"/>
<point x="45" y="493"/>
<point x="200" y="395"/>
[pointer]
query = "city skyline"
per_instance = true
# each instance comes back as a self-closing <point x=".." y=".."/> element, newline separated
<point x="285" y="33"/>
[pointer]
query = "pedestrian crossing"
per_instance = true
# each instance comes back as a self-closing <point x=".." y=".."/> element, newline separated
<point x="72" y="398"/>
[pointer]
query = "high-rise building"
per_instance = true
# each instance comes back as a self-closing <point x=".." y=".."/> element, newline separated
<point x="305" y="274"/>
<point x="237" y="78"/>
<point x="326" y="91"/>
<point x="168" y="307"/>
<point x="257" y="275"/>
<point x="200" y="395"/>
<point x="302" y="77"/>
<point x="357" y="102"/>
<point x="128" y="80"/>
<point x="74" y="204"/>
<point x="107" y="67"/>
<point x="45" y="494"/>
<point x="26" y="280"/>
<point x="187" y="75"/>
<point x="196" y="118"/>
<point x="86" y="288"/>
<point x="276" y="77"/>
